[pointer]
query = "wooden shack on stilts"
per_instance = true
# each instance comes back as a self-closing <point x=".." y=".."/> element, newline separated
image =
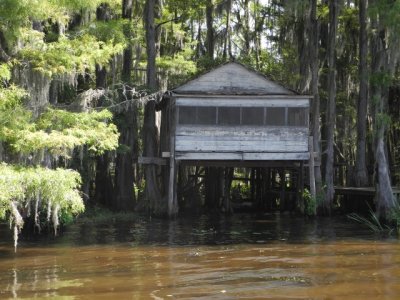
<point x="233" y="117"/>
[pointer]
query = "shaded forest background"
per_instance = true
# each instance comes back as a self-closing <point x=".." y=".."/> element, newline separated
<point x="63" y="62"/>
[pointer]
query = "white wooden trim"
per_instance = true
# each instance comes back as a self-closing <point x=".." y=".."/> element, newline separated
<point x="243" y="102"/>
<point x="243" y="96"/>
<point x="282" y="132"/>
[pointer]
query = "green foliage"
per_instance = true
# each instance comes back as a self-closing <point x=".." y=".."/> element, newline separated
<point x="15" y="14"/>
<point x="382" y="119"/>
<point x="80" y="54"/>
<point x="323" y="12"/>
<point x="381" y="79"/>
<point x="388" y="11"/>
<point x="394" y="217"/>
<point x="56" y="131"/>
<point x="51" y="188"/>
<point x="59" y="132"/>
<point x="12" y="115"/>
<point x="310" y="203"/>
<point x="179" y="67"/>
<point x="5" y="73"/>
<point x="112" y="30"/>
<point x="11" y="97"/>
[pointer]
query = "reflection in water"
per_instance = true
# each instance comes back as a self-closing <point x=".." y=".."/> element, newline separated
<point x="244" y="256"/>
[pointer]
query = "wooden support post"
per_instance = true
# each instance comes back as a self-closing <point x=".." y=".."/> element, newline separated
<point x="268" y="179"/>
<point x="172" y="181"/>
<point x="172" y="198"/>
<point x="300" y="188"/>
<point x="311" y="166"/>
<point x="282" y="203"/>
<point x="264" y="185"/>
<point x="252" y="183"/>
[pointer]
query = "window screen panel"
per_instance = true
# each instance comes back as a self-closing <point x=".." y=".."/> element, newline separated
<point x="206" y="115"/>
<point x="275" y="116"/>
<point x="229" y="116"/>
<point x="297" y="116"/>
<point x="187" y="115"/>
<point x="253" y="116"/>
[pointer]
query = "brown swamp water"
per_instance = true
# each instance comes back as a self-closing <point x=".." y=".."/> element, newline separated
<point x="240" y="257"/>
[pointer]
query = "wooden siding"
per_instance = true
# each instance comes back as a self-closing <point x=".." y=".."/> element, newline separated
<point x="244" y="101"/>
<point x="233" y="78"/>
<point x="241" y="139"/>
<point x="232" y="156"/>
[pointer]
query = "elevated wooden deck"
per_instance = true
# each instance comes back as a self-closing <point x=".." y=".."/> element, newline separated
<point x="359" y="199"/>
<point x="362" y="191"/>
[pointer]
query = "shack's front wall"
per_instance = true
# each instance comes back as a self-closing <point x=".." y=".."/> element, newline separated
<point x="242" y="128"/>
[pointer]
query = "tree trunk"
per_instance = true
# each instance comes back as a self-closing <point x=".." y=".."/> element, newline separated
<point x="4" y="57"/>
<point x="331" y="107"/>
<point x="303" y="50"/>
<point x="124" y="164"/>
<point x="210" y="29"/>
<point x="103" y="13"/>
<point x="124" y="196"/>
<point x="258" y="29"/>
<point x="150" y="141"/>
<point x="380" y="64"/>
<point x="228" y="30"/>
<point x="361" y="173"/>
<point x="228" y="177"/>
<point x="315" y="113"/>
<point x="127" y="60"/>
<point x="150" y="44"/>
<point x="103" y="192"/>
<point x="246" y="28"/>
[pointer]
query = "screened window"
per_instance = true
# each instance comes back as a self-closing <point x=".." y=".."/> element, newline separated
<point x="229" y="115"/>
<point x="276" y="116"/>
<point x="187" y="115"/>
<point x="206" y="115"/>
<point x="297" y="116"/>
<point x="253" y="116"/>
<point x="246" y="116"/>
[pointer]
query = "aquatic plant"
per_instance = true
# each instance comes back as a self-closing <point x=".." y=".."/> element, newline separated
<point x="310" y="203"/>
<point x="373" y="222"/>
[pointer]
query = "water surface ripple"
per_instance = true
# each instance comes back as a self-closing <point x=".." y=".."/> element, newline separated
<point x="268" y="256"/>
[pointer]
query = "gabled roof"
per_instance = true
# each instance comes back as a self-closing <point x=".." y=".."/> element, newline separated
<point x="233" y="78"/>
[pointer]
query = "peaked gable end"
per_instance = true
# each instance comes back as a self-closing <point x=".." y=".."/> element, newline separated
<point x="232" y="79"/>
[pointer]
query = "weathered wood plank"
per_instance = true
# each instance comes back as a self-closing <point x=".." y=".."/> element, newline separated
<point x="241" y="146"/>
<point x="276" y="156"/>
<point x="241" y="156"/>
<point x="242" y="102"/>
<point x="165" y="154"/>
<point x="152" y="161"/>
<point x="243" y="163"/>
<point x="233" y="78"/>
<point x="241" y="96"/>
<point x="300" y="138"/>
<point x="241" y="131"/>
